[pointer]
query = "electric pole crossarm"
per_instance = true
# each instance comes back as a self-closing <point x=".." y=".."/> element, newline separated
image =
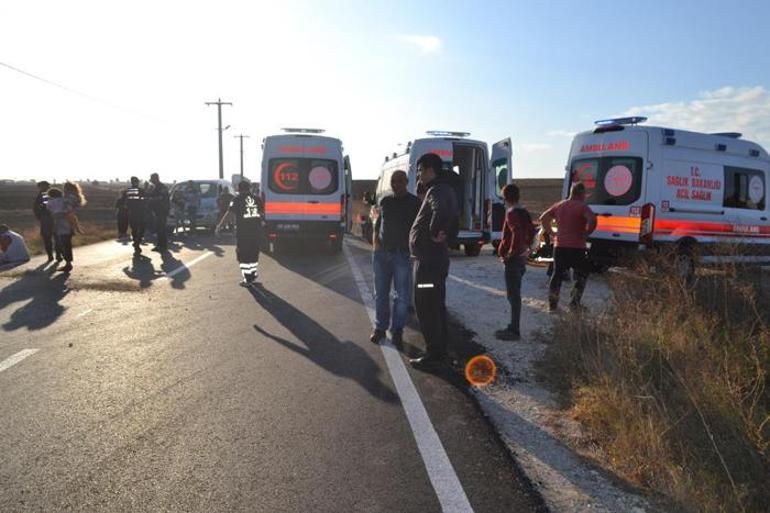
<point x="219" y="104"/>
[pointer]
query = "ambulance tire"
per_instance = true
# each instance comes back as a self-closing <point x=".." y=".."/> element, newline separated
<point x="335" y="246"/>
<point x="473" y="249"/>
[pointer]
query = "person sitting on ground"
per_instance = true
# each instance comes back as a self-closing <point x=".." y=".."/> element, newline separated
<point x="12" y="247"/>
<point x="518" y="234"/>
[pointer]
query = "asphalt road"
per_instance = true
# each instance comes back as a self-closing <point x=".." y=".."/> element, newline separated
<point x="158" y="384"/>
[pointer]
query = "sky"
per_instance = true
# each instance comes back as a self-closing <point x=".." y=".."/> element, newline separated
<point x="126" y="83"/>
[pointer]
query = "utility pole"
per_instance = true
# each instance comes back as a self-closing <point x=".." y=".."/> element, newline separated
<point x="241" y="137"/>
<point x="219" y="104"/>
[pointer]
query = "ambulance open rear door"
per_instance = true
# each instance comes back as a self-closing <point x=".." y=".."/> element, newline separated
<point x="500" y="174"/>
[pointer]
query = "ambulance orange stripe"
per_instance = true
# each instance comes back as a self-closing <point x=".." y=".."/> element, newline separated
<point x="618" y="224"/>
<point x="275" y="207"/>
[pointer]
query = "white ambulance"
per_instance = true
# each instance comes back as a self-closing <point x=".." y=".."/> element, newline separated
<point x="476" y="180"/>
<point x="654" y="187"/>
<point x="306" y="188"/>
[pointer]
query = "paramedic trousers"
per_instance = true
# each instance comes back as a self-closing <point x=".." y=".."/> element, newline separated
<point x="392" y="267"/>
<point x="515" y="267"/>
<point x="160" y="229"/>
<point x="565" y="259"/>
<point x="137" y="230"/>
<point x="430" y="304"/>
<point x="122" y="218"/>
<point x="49" y="239"/>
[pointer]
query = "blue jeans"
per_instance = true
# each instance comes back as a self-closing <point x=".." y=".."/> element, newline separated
<point x="392" y="267"/>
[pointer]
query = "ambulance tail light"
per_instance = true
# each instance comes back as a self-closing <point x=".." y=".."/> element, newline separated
<point x="647" y="226"/>
<point x="332" y="236"/>
<point x="272" y="236"/>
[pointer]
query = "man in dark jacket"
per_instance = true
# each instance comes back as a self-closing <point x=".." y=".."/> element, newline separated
<point x="136" y="204"/>
<point x="160" y="203"/>
<point x="43" y="215"/>
<point x="436" y="223"/>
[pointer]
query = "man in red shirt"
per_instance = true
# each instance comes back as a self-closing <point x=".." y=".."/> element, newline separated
<point x="575" y="222"/>
<point x="518" y="232"/>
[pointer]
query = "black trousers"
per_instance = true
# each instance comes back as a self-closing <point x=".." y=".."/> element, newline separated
<point x="49" y="239"/>
<point x="565" y="259"/>
<point x="160" y="229"/>
<point x="137" y="230"/>
<point x="515" y="267"/>
<point x="430" y="304"/>
<point x="64" y="246"/>
<point x="122" y="218"/>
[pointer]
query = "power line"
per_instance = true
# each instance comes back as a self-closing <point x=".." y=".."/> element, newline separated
<point x="81" y="94"/>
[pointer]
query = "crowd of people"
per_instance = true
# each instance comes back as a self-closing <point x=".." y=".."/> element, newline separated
<point x="411" y="239"/>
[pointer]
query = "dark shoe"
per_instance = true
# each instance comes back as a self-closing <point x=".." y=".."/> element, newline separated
<point x="67" y="268"/>
<point x="158" y="249"/>
<point x="59" y="259"/>
<point x="50" y="259"/>
<point x="507" y="334"/>
<point x="398" y="340"/>
<point x="377" y="336"/>
<point x="426" y="362"/>
<point x="137" y="250"/>
<point x="577" y="308"/>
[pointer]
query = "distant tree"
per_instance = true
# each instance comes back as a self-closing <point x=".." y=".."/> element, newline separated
<point x="95" y="182"/>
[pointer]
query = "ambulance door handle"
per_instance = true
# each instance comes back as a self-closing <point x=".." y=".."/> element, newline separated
<point x="314" y="201"/>
<point x="763" y="218"/>
<point x="606" y="214"/>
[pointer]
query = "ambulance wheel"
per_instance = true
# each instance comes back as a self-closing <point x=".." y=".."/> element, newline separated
<point x="473" y="249"/>
<point x="335" y="246"/>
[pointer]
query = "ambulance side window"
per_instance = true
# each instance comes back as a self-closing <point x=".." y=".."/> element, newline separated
<point x="744" y="188"/>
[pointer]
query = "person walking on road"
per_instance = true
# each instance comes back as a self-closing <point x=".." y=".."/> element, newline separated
<point x="391" y="258"/>
<point x="62" y="211"/>
<point x="121" y="216"/>
<point x="518" y="234"/>
<point x="247" y="210"/>
<point x="136" y="205"/>
<point x="44" y="217"/>
<point x="192" y="201"/>
<point x="160" y="203"/>
<point x="436" y="224"/>
<point x="575" y="221"/>
<point x="224" y="200"/>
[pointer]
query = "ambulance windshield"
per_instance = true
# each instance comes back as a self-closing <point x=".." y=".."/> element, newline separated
<point x="609" y="180"/>
<point x="303" y="176"/>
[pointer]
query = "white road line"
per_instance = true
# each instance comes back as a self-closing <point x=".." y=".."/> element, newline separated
<point x="491" y="290"/>
<point x="442" y="475"/>
<point x="14" y="359"/>
<point x="191" y="263"/>
<point x="83" y="314"/>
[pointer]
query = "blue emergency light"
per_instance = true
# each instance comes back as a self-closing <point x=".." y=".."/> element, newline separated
<point x="446" y="133"/>
<point x="304" y="130"/>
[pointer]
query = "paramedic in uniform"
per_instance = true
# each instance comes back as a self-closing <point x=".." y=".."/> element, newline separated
<point x="391" y="258"/>
<point x="43" y="215"/>
<point x="436" y="222"/>
<point x="247" y="210"/>
<point x="575" y="222"/>
<point x="136" y="206"/>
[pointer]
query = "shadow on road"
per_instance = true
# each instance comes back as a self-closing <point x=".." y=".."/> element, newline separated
<point x="344" y="359"/>
<point x="142" y="271"/>
<point x="45" y="291"/>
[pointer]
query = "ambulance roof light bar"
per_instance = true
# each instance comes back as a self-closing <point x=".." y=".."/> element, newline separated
<point x="731" y="135"/>
<point x="634" y="120"/>
<point x="304" y="130"/>
<point x="447" y="133"/>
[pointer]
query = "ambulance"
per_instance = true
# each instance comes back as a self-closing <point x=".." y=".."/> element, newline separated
<point x="306" y="188"/>
<point x="475" y="180"/>
<point x="656" y="187"/>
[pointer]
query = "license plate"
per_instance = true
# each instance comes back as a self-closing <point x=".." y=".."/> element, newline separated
<point x="288" y="227"/>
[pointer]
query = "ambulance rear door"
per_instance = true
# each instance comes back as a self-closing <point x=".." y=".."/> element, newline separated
<point x="613" y="166"/>
<point x="348" y="211"/>
<point x="500" y="174"/>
